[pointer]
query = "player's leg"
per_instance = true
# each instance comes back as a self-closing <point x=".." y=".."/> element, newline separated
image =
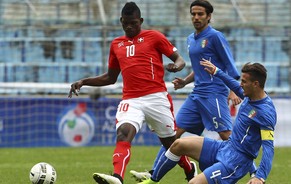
<point x="225" y="131"/>
<point x="206" y="178"/>
<point x="160" y="153"/>
<point x="215" y="115"/>
<point x="184" y="162"/>
<point x="129" y="120"/>
<point x="222" y="163"/>
<point x="122" y="153"/>
<point x="207" y="158"/>
<point x="144" y="175"/>
<point x="188" y="119"/>
<point x="162" y="150"/>
<point x="179" y="132"/>
<point x="218" y="174"/>
<point x="160" y="118"/>
<point x="121" y="156"/>
<point x="199" y="179"/>
<point x="159" y="111"/>
<point x="190" y="168"/>
<point x="190" y="146"/>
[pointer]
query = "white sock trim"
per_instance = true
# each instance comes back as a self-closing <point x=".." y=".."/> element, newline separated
<point x="172" y="156"/>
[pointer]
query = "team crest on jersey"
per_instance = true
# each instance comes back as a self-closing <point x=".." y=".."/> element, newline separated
<point x="120" y="44"/>
<point x="204" y="43"/>
<point x="141" y="39"/>
<point x="252" y="113"/>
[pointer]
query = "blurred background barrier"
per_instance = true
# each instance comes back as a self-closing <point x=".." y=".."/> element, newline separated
<point x="39" y="122"/>
<point x="42" y="122"/>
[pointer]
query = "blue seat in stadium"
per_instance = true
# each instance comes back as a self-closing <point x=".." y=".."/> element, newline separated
<point x="78" y="51"/>
<point x="2" y="73"/>
<point x="92" y="51"/>
<point x="53" y="74"/>
<point x="77" y="72"/>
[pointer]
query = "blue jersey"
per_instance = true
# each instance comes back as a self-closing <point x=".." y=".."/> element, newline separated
<point x="210" y="44"/>
<point x="254" y="127"/>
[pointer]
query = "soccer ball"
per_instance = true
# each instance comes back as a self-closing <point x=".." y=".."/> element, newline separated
<point x="43" y="173"/>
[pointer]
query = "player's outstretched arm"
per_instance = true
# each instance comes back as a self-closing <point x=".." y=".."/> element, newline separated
<point x="267" y="157"/>
<point x="228" y="80"/>
<point x="102" y="80"/>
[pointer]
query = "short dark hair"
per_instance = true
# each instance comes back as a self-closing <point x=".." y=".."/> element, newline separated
<point x="257" y="72"/>
<point x="204" y="3"/>
<point x="130" y="8"/>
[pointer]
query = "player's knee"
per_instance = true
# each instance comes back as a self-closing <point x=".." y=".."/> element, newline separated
<point x="121" y="137"/>
<point x="125" y="132"/>
<point x="199" y="179"/>
<point x="176" y="146"/>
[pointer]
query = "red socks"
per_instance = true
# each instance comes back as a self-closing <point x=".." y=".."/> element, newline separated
<point x="121" y="157"/>
<point x="184" y="162"/>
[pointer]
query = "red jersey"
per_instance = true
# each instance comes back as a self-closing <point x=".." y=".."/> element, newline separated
<point x="141" y="63"/>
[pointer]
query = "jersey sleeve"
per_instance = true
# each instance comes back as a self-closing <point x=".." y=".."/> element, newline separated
<point x="225" y="55"/>
<point x="267" y="158"/>
<point x="164" y="45"/>
<point x="267" y="122"/>
<point x="113" y="61"/>
<point x="230" y="82"/>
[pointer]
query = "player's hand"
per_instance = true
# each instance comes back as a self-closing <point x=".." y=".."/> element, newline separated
<point x="235" y="100"/>
<point x="209" y="67"/>
<point x="171" y="67"/>
<point x="75" y="88"/>
<point x="255" y="180"/>
<point x="178" y="83"/>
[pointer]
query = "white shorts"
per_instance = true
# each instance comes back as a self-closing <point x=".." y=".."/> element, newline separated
<point x="154" y="109"/>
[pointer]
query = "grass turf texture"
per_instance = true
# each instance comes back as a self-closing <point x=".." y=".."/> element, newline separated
<point x="76" y="165"/>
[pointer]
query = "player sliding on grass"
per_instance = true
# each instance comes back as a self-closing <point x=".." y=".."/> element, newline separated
<point x="207" y="106"/>
<point x="138" y="56"/>
<point x="226" y="162"/>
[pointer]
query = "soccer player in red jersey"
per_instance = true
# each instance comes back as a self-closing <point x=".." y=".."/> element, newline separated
<point x="138" y="57"/>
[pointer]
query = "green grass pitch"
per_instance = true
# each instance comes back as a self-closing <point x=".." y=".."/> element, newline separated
<point x="76" y="165"/>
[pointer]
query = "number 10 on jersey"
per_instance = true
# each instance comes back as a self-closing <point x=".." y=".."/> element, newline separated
<point x="130" y="50"/>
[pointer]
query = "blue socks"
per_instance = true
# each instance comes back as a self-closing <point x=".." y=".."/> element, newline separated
<point x="166" y="162"/>
<point x="161" y="152"/>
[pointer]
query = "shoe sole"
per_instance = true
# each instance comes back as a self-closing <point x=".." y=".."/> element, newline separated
<point x="99" y="179"/>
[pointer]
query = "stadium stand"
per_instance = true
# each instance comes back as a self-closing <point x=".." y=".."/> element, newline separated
<point x="59" y="41"/>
